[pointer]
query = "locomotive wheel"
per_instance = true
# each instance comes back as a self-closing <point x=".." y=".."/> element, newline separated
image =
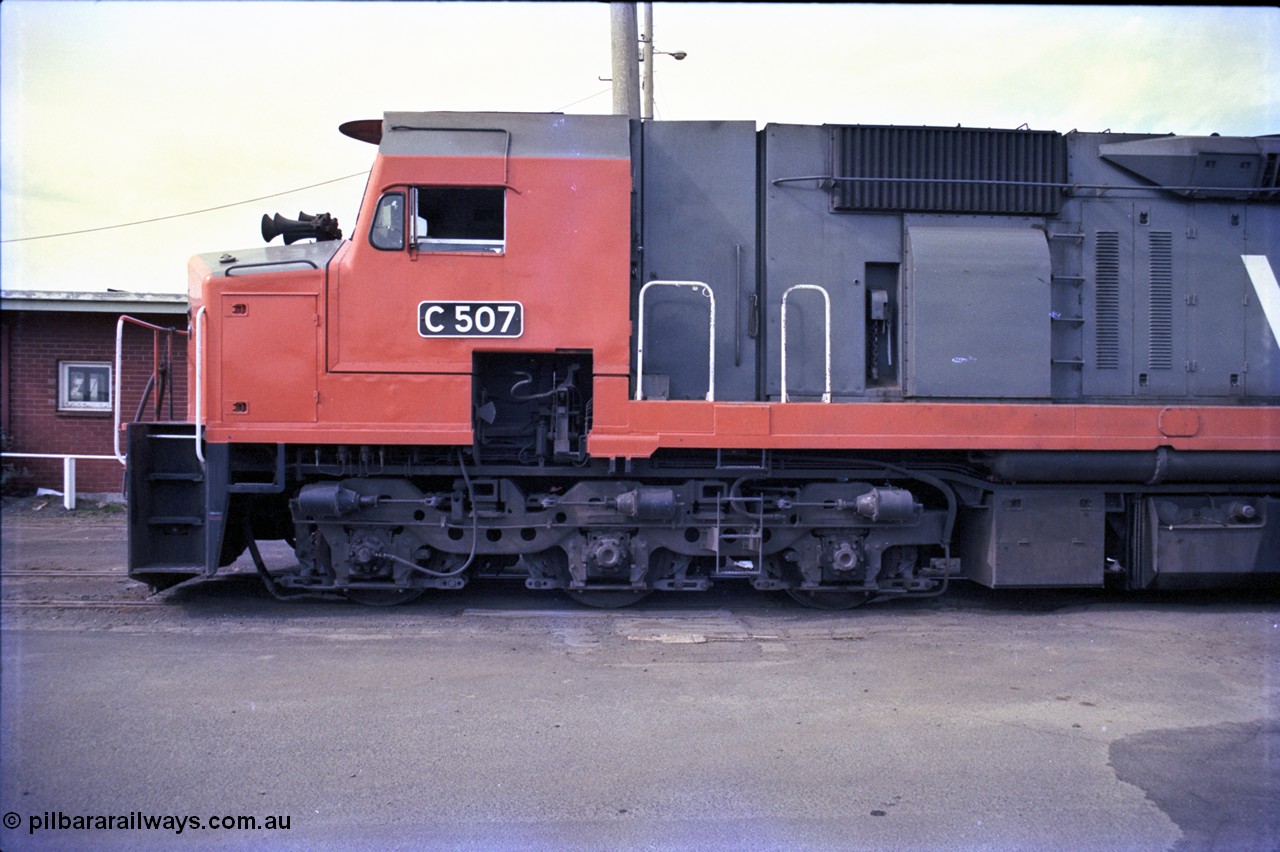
<point x="383" y="597"/>
<point x="612" y="599"/>
<point x="829" y="600"/>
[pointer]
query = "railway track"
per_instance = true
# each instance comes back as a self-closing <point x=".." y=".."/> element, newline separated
<point x="39" y="573"/>
<point x="47" y="589"/>
<point x="78" y="604"/>
<point x="28" y="589"/>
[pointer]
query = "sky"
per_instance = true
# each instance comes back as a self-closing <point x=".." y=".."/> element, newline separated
<point x="122" y="112"/>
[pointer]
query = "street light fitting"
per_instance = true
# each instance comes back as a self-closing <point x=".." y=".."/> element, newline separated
<point x="647" y="53"/>
<point x="677" y="55"/>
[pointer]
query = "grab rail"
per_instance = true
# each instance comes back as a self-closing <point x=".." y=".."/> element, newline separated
<point x="711" y="356"/>
<point x="198" y="324"/>
<point x="826" y="302"/>
<point x="116" y="401"/>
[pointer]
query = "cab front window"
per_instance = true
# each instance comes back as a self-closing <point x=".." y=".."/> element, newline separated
<point x="387" y="232"/>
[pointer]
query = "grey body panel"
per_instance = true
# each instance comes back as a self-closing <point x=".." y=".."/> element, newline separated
<point x="806" y="244"/>
<point x="1145" y="294"/>
<point x="1107" y="300"/>
<point x="1169" y="312"/>
<point x="1198" y="166"/>
<point x="471" y="134"/>
<point x="1217" y="301"/>
<point x="698" y="219"/>
<point x="1262" y="349"/>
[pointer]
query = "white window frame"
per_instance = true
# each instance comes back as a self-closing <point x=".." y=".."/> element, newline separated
<point x="68" y="389"/>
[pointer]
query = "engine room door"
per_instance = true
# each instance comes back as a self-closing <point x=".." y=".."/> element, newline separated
<point x="1219" y="295"/>
<point x="698" y="221"/>
<point x="978" y="307"/>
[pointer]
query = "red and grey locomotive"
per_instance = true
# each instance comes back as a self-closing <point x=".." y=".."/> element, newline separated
<point x="849" y="362"/>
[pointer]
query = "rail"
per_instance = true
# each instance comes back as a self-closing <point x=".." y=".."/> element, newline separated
<point x="826" y="303"/>
<point x="160" y="380"/>
<point x="1237" y="192"/>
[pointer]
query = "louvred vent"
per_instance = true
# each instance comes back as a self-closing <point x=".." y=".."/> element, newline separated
<point x="948" y="170"/>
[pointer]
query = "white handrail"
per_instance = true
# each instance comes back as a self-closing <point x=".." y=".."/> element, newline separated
<point x="711" y="355"/>
<point x="826" y="302"/>
<point x="199" y="333"/>
<point x="115" y="393"/>
<point x="118" y="379"/>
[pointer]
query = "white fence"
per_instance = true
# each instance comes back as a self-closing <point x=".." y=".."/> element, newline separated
<point x="68" y="470"/>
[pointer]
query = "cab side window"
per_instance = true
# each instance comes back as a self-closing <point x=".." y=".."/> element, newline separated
<point x="460" y="218"/>
<point x="387" y="232"/>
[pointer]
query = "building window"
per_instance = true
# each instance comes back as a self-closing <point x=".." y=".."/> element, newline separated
<point x="84" y="386"/>
<point x="460" y="218"/>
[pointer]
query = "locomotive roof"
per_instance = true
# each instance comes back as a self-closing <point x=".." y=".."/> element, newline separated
<point x="446" y="134"/>
<point x="108" y="302"/>
<point x="291" y="258"/>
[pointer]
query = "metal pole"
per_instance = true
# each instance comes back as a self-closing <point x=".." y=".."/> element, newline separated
<point x="646" y="59"/>
<point x="624" y="38"/>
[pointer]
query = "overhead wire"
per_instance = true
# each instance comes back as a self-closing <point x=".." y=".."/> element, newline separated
<point x="233" y="203"/>
<point x="188" y="213"/>
<point x="580" y="100"/>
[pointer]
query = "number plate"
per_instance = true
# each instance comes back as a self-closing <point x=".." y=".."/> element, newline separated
<point x="470" y="319"/>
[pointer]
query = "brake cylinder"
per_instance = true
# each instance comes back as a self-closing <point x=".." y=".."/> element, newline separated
<point x="888" y="505"/>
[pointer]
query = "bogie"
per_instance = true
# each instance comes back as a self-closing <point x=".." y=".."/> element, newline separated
<point x="612" y="535"/>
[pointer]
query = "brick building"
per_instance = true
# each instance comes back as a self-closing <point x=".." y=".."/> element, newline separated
<point x="57" y="352"/>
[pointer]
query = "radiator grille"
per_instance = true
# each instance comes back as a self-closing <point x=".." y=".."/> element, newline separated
<point x="1106" y="276"/>
<point x="947" y="170"/>
<point x="1160" y="305"/>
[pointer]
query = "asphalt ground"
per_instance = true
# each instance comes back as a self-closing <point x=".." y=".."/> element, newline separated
<point x="498" y="718"/>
